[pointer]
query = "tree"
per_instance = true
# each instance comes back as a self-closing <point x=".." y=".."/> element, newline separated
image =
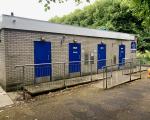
<point x="104" y="14"/>
<point x="48" y="2"/>
<point x="109" y="15"/>
<point x="141" y="9"/>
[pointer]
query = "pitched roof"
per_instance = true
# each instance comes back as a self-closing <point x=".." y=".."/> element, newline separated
<point x="13" y="22"/>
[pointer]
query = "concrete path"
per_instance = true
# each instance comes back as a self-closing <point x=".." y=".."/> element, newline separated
<point x="4" y="99"/>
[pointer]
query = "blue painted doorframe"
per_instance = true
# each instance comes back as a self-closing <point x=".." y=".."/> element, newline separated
<point x="74" y="57"/>
<point x="122" y="50"/>
<point x="42" y="54"/>
<point x="101" y="55"/>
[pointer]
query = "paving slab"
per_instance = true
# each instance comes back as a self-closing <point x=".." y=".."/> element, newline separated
<point x="4" y="99"/>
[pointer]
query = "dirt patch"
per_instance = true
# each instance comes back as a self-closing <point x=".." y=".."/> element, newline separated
<point x="88" y="102"/>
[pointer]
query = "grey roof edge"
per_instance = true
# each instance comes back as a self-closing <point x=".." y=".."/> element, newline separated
<point x="13" y="22"/>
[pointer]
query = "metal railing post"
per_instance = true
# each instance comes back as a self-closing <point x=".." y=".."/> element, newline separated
<point x="140" y="70"/>
<point x="34" y="80"/>
<point x="64" y="74"/>
<point x="91" y="69"/>
<point x="103" y="77"/>
<point x="23" y="76"/>
<point x="111" y="73"/>
<point x="106" y="77"/>
<point x="69" y="65"/>
<point x="80" y="68"/>
<point x="111" y="67"/>
<point x="130" y="70"/>
<point x="51" y="72"/>
<point x="97" y="66"/>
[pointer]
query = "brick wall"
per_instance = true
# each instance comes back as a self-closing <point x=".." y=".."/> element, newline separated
<point x="20" y="51"/>
<point x="2" y="60"/>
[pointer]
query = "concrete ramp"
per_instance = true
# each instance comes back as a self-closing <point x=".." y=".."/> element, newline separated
<point x="53" y="85"/>
<point x="4" y="99"/>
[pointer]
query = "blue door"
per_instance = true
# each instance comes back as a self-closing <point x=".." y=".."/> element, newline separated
<point x="101" y="55"/>
<point x="122" y="50"/>
<point x="42" y="54"/>
<point x="74" y="57"/>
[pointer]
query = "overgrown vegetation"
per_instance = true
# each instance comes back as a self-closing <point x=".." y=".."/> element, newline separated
<point x="144" y="57"/>
<point x="131" y="16"/>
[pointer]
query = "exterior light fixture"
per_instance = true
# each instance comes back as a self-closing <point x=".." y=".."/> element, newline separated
<point x="42" y="39"/>
<point x="75" y="41"/>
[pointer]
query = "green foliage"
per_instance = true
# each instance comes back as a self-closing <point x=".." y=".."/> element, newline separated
<point x="144" y="57"/>
<point x="141" y="9"/>
<point x="130" y="16"/>
<point x="103" y="14"/>
<point x="143" y="44"/>
<point x="48" y="2"/>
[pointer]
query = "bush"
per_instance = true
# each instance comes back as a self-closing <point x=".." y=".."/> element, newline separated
<point x="145" y="57"/>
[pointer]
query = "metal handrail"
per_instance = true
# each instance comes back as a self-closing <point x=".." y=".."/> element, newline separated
<point x="115" y="64"/>
<point x="61" y="63"/>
